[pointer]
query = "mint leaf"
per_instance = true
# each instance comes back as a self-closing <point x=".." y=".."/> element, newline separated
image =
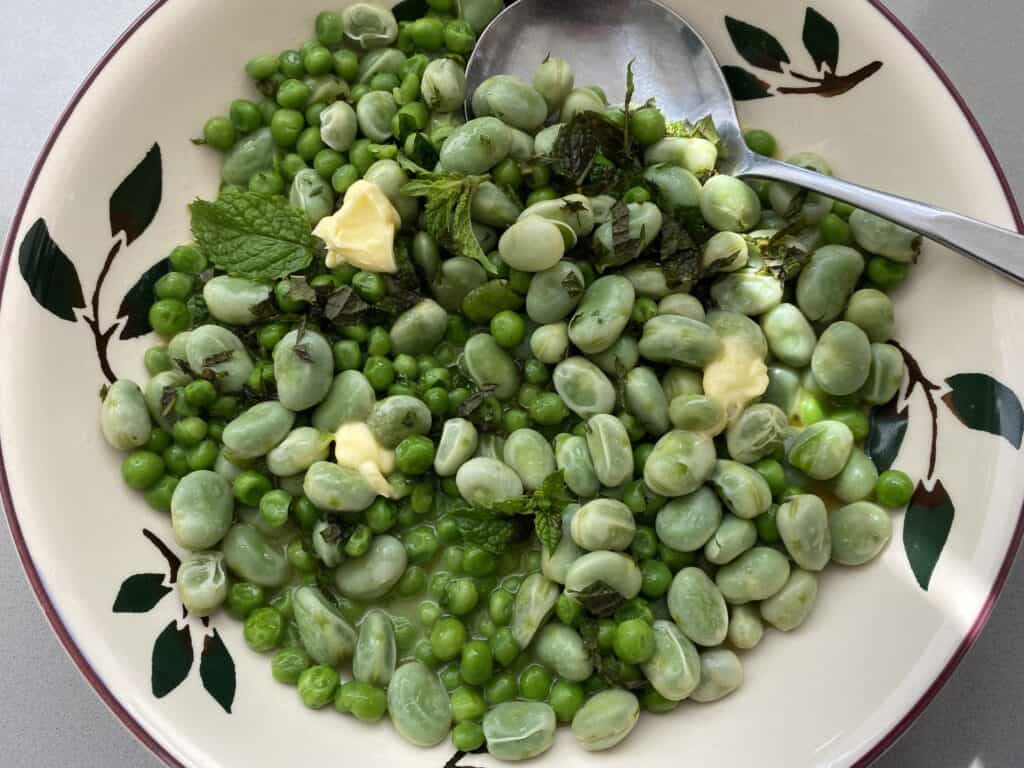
<point x="493" y="534"/>
<point x="599" y="599"/>
<point x="446" y="214"/>
<point x="548" y="525"/>
<point x="249" y="235"/>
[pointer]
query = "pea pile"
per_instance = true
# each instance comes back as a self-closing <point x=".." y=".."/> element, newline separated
<point x="596" y="429"/>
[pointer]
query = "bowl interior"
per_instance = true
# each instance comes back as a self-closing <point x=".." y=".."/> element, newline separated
<point x="877" y="639"/>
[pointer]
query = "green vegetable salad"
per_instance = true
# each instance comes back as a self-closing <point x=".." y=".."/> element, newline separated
<point x="496" y="425"/>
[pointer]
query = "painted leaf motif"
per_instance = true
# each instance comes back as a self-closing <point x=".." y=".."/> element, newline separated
<point x="984" y="404"/>
<point x="136" y="303"/>
<point x="744" y="85"/>
<point x="172" y="659"/>
<point x="756" y="46"/>
<point x="455" y="760"/>
<point x="217" y="671"/>
<point x="140" y="593"/>
<point x="410" y="10"/>
<point x="173" y="561"/>
<point x="821" y="40"/>
<point x="888" y="428"/>
<point x="133" y="205"/>
<point x="926" y="527"/>
<point x="51" y="277"/>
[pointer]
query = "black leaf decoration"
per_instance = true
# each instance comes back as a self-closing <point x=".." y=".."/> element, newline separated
<point x="217" y="671"/>
<point x="926" y="528"/>
<point x="455" y="760"/>
<point x="173" y="561"/>
<point x="172" y="659"/>
<point x="888" y="427"/>
<point x="744" y="85"/>
<point x="410" y="10"/>
<point x="140" y="593"/>
<point x="134" y="203"/>
<point x="984" y="404"/>
<point x="136" y="303"/>
<point x="51" y="277"/>
<point x="756" y="46"/>
<point x="821" y="40"/>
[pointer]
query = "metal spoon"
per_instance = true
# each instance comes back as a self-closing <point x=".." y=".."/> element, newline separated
<point x="674" y="62"/>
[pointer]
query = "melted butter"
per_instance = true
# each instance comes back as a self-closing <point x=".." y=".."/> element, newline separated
<point x="736" y="377"/>
<point x="362" y="231"/>
<point x="356" y="447"/>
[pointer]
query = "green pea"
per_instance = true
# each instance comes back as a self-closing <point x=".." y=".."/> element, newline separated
<point x="317" y="686"/>
<point x="288" y="665"/>
<point x="894" y="489"/>
<point x="264" y="629"/>
<point x="761" y="141"/>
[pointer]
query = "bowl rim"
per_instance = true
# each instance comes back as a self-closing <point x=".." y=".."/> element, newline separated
<point x="139" y="730"/>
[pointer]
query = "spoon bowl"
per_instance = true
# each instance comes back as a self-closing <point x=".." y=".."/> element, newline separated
<point x="673" y="61"/>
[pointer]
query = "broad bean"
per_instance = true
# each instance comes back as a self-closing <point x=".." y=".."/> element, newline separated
<point x="757" y="574"/>
<point x="678" y="339"/>
<point x="337" y="489"/>
<point x="303" y="369"/>
<point x="674" y="669"/>
<point x="483" y="481"/>
<point x="616" y="570"/>
<point x="350" y="398"/>
<point x="374" y="574"/>
<point x="215" y="349"/>
<point x="791" y="606"/>
<point x="803" y="525"/>
<point x="534" y="603"/>
<point x="124" y="416"/>
<point x="687" y="523"/>
<point x="606" y="719"/>
<point x="458" y="443"/>
<point x="721" y="673"/>
<point x="583" y="387"/>
<point x="573" y="457"/>
<point x="554" y="293"/>
<point x="680" y="463"/>
<point x="603" y="314"/>
<point x="251" y="556"/>
<point x="610" y="448"/>
<point x="418" y="330"/>
<point x="519" y="730"/>
<point x="201" y="509"/>
<point x="698" y="607"/>
<point x="326" y="635"/>
<point x="232" y="299"/>
<point x="375" y="653"/>
<point x="530" y="455"/>
<point x="603" y="524"/>
<point x="859" y="532"/>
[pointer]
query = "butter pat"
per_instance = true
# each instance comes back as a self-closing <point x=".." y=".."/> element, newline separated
<point x="736" y="377"/>
<point x="355" y="447"/>
<point x="362" y="231"/>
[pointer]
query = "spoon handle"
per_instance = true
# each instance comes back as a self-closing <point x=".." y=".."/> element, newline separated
<point x="999" y="248"/>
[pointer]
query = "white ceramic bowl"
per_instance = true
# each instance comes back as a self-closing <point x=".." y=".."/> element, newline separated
<point x="107" y="200"/>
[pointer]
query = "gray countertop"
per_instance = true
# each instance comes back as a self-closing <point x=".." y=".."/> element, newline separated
<point x="48" y="714"/>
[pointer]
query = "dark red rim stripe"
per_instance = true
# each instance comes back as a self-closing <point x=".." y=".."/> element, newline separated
<point x="139" y="730"/>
